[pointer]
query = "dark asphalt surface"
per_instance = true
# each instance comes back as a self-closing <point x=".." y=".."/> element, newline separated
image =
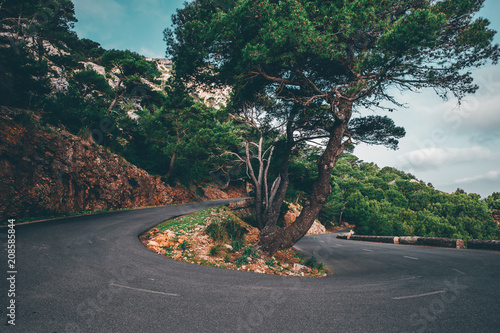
<point x="92" y="274"/>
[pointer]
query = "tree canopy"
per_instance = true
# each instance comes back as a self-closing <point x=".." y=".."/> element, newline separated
<point x="307" y="51"/>
<point x="327" y="60"/>
<point x="189" y="134"/>
<point x="24" y="26"/>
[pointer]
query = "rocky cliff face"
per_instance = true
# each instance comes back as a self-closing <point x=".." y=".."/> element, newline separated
<point x="44" y="172"/>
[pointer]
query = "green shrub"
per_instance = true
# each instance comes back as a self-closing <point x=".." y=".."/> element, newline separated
<point x="226" y="229"/>
<point x="216" y="231"/>
<point x="215" y="250"/>
<point x="241" y="260"/>
<point x="184" y="246"/>
<point x="234" y="229"/>
<point x="250" y="251"/>
<point x="133" y="182"/>
<point x="314" y="263"/>
<point x="270" y="262"/>
<point x="237" y="244"/>
<point x="27" y="118"/>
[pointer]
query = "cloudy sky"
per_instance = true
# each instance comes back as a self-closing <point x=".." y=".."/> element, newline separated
<point x="449" y="146"/>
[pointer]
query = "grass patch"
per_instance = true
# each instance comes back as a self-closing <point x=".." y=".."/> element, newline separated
<point x="217" y="232"/>
<point x="237" y="244"/>
<point x="187" y="222"/>
<point x="314" y="264"/>
<point x="270" y="262"/>
<point x="216" y="250"/>
<point x="184" y="246"/>
<point x="250" y="251"/>
<point x="226" y="229"/>
<point x="241" y="260"/>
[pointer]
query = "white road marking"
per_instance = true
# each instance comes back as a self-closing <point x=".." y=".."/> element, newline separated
<point x="367" y="250"/>
<point x="390" y="281"/>
<point x="144" y="290"/>
<point x="421" y="295"/>
<point x="411" y="258"/>
<point x="456" y="270"/>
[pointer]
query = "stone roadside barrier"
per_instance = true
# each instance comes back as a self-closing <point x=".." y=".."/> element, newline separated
<point x="344" y="236"/>
<point x="483" y="244"/>
<point x="433" y="241"/>
<point x="378" y="239"/>
<point x="428" y="241"/>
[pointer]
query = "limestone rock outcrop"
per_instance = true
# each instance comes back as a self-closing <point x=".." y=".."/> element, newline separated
<point x="294" y="212"/>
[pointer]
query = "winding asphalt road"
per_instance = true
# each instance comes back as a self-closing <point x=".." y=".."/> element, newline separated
<point x="92" y="274"/>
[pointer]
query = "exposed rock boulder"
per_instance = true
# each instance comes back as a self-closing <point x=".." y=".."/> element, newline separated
<point x="290" y="217"/>
<point x="317" y="228"/>
<point x="294" y="212"/>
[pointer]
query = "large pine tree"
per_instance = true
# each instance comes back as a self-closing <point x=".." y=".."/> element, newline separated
<point x="328" y="59"/>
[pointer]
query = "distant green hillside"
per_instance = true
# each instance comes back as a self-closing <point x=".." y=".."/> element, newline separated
<point x="390" y="202"/>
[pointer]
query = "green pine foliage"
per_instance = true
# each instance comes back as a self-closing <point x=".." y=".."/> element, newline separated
<point x="187" y="135"/>
<point x="493" y="201"/>
<point x="389" y="202"/>
<point x="23" y="59"/>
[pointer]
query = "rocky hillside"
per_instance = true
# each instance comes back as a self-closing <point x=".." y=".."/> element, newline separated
<point x="59" y="79"/>
<point x="70" y="86"/>
<point x="43" y="172"/>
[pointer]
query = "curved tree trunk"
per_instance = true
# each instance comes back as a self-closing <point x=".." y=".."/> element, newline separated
<point x="273" y="211"/>
<point x="274" y="206"/>
<point x="170" y="168"/>
<point x="280" y="239"/>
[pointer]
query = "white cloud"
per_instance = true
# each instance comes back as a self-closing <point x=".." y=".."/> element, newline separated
<point x="481" y="111"/>
<point x="478" y="116"/>
<point x="434" y="157"/>
<point x="493" y="175"/>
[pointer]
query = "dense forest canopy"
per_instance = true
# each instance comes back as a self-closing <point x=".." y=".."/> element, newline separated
<point x="389" y="202"/>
